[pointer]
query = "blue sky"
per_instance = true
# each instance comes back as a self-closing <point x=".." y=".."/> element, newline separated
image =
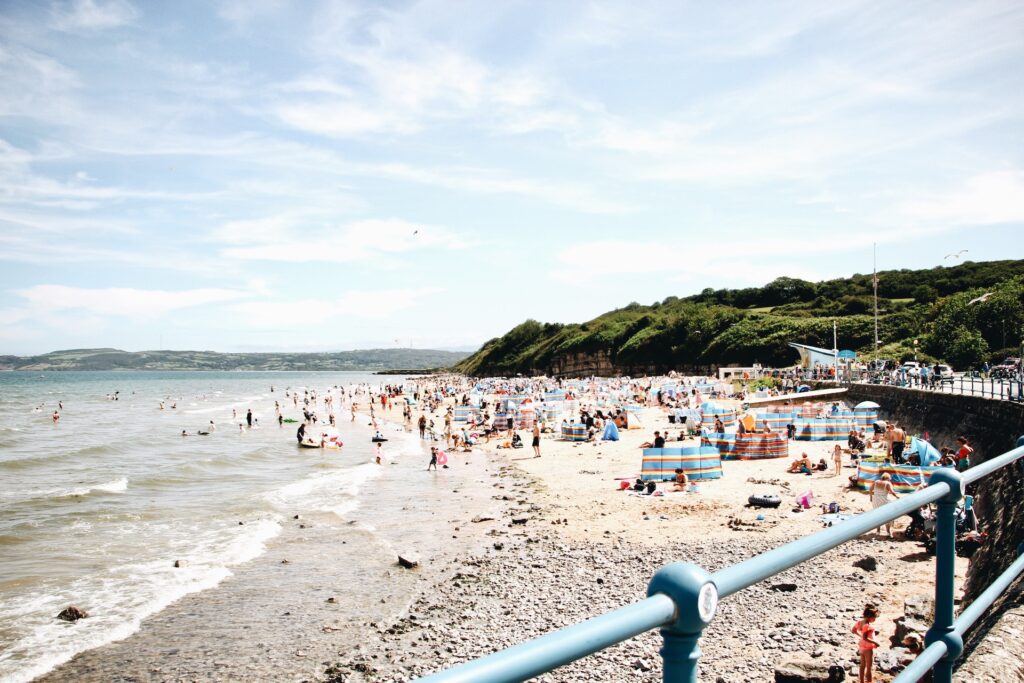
<point x="262" y="175"/>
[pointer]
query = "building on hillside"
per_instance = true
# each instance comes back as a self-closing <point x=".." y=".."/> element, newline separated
<point x="812" y="357"/>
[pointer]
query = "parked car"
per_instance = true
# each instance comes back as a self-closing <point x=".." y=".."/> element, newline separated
<point x="944" y="373"/>
<point x="1006" y="370"/>
<point x="911" y="367"/>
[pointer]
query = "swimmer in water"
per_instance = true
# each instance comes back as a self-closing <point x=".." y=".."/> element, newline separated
<point x="184" y="433"/>
<point x="56" y="417"/>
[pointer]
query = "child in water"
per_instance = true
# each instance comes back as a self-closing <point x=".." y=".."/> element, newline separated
<point x="866" y="630"/>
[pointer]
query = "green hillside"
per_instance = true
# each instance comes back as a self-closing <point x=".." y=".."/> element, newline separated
<point x="744" y="326"/>
<point x="114" y="359"/>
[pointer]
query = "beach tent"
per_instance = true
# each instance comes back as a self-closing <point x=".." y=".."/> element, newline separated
<point x="756" y="446"/>
<point x="905" y="478"/>
<point x="699" y="463"/>
<point x="924" y="450"/>
<point x="611" y="432"/>
<point x="574" y="432"/>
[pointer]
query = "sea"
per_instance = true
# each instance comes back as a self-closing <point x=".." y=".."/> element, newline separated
<point x="97" y="508"/>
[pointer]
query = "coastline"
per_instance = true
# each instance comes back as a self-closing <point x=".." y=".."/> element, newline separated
<point x="482" y="585"/>
<point x="309" y="597"/>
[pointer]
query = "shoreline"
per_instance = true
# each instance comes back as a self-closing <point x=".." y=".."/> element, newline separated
<point x="313" y="591"/>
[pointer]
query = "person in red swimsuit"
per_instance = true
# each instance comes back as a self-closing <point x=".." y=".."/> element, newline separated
<point x="867" y="644"/>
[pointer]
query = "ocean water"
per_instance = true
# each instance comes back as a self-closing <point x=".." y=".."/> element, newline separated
<point x="95" y="508"/>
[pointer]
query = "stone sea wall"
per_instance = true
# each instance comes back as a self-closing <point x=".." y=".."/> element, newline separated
<point x="993" y="428"/>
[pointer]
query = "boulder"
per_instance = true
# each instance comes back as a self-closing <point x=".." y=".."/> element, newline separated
<point x="907" y="625"/>
<point x="72" y="613"/>
<point x="868" y="564"/>
<point x="891" y="661"/>
<point x="802" y="669"/>
<point x="921" y="607"/>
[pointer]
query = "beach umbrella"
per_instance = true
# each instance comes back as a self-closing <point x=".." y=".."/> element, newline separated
<point x="864" y="405"/>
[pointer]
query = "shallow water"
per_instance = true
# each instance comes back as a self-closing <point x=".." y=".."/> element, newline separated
<point x="95" y="509"/>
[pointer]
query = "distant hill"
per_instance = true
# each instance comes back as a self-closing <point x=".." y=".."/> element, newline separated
<point x="371" y="360"/>
<point x="936" y="307"/>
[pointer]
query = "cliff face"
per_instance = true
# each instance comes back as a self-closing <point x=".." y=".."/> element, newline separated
<point x="601" y="364"/>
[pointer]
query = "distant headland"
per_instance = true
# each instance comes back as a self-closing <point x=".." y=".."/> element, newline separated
<point x="369" y="360"/>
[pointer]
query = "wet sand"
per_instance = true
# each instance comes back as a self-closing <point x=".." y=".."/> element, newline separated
<point x="311" y="596"/>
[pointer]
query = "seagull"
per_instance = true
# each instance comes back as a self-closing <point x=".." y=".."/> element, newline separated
<point x="983" y="298"/>
<point x="954" y="254"/>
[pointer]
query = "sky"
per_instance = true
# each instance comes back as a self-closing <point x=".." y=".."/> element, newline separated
<point x="252" y="175"/>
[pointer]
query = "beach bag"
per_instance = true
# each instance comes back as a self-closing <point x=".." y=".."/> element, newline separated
<point x="833" y="508"/>
<point x="805" y="499"/>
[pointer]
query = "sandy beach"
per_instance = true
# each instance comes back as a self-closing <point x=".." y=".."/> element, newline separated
<point x="511" y="547"/>
<point x="587" y="548"/>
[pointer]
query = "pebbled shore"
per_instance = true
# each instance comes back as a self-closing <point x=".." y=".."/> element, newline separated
<point x="537" y="582"/>
<point x="586" y="549"/>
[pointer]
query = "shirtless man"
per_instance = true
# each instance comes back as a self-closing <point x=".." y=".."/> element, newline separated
<point x="898" y="442"/>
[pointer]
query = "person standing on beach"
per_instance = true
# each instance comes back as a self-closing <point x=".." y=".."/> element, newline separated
<point x="536" y="440"/>
<point x="866" y="646"/>
<point x="423" y="426"/>
<point x="433" y="458"/>
<point x="898" y="443"/>
<point x="837" y="458"/>
<point x="882" y="492"/>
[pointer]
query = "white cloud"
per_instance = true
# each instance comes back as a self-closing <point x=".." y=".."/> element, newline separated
<point x="92" y="15"/>
<point x="377" y="304"/>
<point x="985" y="199"/>
<point x="121" y="301"/>
<point x="296" y="239"/>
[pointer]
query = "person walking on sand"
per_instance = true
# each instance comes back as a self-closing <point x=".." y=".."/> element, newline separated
<point x="536" y="440"/>
<point x="867" y="644"/>
<point x="837" y="458"/>
<point x="882" y="492"/>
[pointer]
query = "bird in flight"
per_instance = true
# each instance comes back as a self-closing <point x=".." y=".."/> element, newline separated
<point x="983" y="298"/>
<point x="955" y="254"/>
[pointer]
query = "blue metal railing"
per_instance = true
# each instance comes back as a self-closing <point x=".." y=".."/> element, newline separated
<point x="682" y="598"/>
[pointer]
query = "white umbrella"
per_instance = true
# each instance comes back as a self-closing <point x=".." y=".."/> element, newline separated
<point x="866" y="404"/>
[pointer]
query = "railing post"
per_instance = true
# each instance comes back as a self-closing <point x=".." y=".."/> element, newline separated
<point x="945" y="569"/>
<point x="696" y="599"/>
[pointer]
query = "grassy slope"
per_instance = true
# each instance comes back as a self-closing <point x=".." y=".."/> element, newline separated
<point x="754" y="324"/>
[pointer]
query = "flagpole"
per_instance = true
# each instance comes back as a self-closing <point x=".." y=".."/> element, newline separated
<point x="874" y="280"/>
<point x="835" y="350"/>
